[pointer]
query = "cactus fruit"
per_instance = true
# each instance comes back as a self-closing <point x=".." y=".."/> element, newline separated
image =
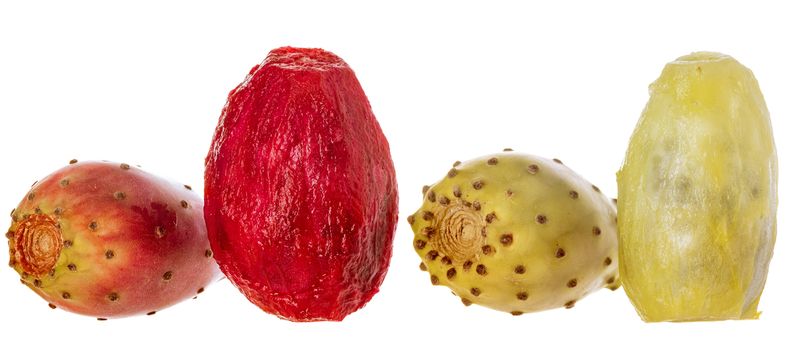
<point x="517" y="233"/>
<point x="301" y="194"/>
<point x="698" y="194"/>
<point x="110" y="240"/>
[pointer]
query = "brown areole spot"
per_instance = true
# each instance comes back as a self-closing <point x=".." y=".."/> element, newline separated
<point x="521" y="295"/>
<point x="431" y="196"/>
<point x="519" y="269"/>
<point x="432" y="255"/>
<point x="467" y="265"/>
<point x="559" y="253"/>
<point x="434" y="280"/>
<point x="159" y="231"/>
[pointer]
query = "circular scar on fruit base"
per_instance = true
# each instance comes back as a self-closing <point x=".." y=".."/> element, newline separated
<point x="38" y="244"/>
<point x="459" y="232"/>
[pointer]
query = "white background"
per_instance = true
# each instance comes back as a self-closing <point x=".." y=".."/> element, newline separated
<point x="144" y="83"/>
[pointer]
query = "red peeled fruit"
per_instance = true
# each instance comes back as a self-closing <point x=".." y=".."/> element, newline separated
<point x="300" y="191"/>
<point x="109" y="240"/>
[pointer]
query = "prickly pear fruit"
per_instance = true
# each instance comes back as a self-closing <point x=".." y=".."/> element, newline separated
<point x="698" y="194"/>
<point x="517" y="233"/>
<point x="301" y="195"/>
<point x="110" y="240"/>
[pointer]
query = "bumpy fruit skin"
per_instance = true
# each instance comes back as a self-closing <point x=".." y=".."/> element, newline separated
<point x="109" y="240"/>
<point x="517" y="233"/>
<point x="698" y="194"/>
<point x="301" y="194"/>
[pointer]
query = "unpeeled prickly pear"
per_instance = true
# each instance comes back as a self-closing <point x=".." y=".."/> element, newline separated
<point x="301" y="194"/>
<point x="109" y="240"/>
<point x="698" y="194"/>
<point x="517" y="233"/>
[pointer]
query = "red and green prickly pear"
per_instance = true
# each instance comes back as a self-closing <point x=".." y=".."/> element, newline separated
<point x="517" y="233"/>
<point x="109" y="240"/>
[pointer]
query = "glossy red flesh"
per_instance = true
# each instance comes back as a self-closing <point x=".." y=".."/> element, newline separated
<point x="301" y="195"/>
<point x="88" y="192"/>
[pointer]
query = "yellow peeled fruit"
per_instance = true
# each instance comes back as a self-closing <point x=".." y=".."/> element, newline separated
<point x="697" y="194"/>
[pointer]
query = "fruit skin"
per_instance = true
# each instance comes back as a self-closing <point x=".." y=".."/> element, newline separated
<point x="109" y="240"/>
<point x="698" y="194"/>
<point x="301" y="194"/>
<point x="517" y="233"/>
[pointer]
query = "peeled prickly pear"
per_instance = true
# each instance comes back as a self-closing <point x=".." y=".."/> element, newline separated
<point x="301" y="194"/>
<point x="109" y="240"/>
<point x="517" y="233"/>
<point x="698" y="194"/>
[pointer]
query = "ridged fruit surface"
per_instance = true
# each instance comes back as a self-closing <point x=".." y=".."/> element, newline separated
<point x="517" y="233"/>
<point x="109" y="240"/>
<point x="698" y="194"/>
<point x="301" y="194"/>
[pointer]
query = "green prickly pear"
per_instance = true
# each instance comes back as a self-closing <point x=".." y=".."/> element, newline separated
<point x="517" y="233"/>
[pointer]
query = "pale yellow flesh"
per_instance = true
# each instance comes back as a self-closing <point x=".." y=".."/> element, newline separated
<point x="698" y="195"/>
